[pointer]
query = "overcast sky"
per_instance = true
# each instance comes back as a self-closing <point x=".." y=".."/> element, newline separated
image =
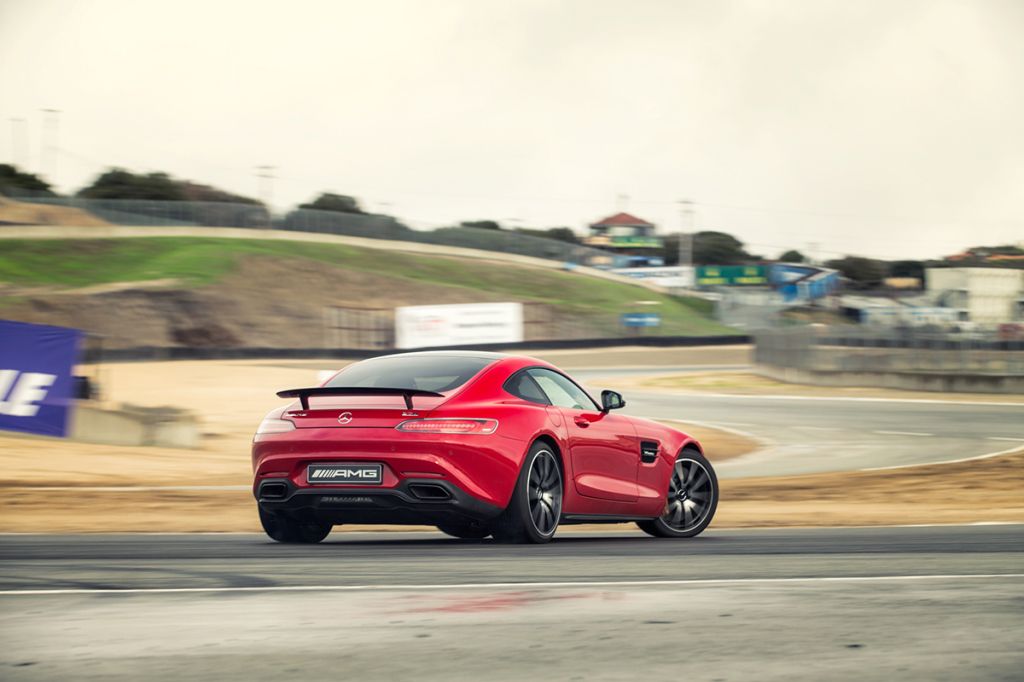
<point x="888" y="128"/>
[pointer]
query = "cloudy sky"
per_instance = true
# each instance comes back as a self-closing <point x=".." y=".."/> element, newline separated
<point x="886" y="127"/>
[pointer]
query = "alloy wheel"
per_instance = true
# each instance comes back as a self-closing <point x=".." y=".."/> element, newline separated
<point x="545" y="492"/>
<point x="690" y="494"/>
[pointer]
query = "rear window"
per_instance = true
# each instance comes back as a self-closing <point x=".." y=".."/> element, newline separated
<point x="439" y="373"/>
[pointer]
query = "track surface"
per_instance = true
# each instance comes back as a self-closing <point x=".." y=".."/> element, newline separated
<point x="907" y="603"/>
<point x="806" y="435"/>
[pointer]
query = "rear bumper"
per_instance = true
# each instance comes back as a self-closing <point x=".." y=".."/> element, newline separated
<point x="427" y="501"/>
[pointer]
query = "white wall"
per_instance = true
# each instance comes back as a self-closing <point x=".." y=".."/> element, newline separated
<point x="992" y="293"/>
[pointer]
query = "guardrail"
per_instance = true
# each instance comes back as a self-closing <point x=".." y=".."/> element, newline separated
<point x="97" y="353"/>
<point x="147" y="213"/>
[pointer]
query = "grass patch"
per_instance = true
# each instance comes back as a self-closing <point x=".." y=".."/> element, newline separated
<point x="204" y="261"/>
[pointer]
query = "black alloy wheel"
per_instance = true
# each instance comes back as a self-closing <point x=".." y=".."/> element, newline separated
<point x="535" y="510"/>
<point x="691" y="500"/>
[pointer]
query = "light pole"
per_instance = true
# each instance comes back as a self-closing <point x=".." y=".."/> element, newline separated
<point x="686" y="234"/>
<point x="266" y="178"/>
<point x="18" y="143"/>
<point x="51" y="129"/>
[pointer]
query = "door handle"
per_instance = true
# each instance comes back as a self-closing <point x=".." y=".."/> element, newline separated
<point x="581" y="422"/>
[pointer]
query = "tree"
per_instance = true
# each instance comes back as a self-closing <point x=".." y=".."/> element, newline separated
<point x="793" y="256"/>
<point x="907" y="268"/>
<point x="561" y="234"/>
<point x="14" y="181"/>
<point x="338" y="203"/>
<point x="118" y="183"/>
<point x="865" y="272"/>
<point x="196" y="192"/>
<point x="718" y="248"/>
<point x="481" y="224"/>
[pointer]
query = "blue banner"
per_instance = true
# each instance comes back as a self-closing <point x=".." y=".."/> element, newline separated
<point x="37" y="364"/>
<point x="640" y="319"/>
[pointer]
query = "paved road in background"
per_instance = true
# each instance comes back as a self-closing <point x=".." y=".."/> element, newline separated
<point x="904" y="603"/>
<point x="806" y="435"/>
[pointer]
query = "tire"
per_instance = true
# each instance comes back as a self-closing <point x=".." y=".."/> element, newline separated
<point x="533" y="513"/>
<point x="465" y="531"/>
<point x="694" y="481"/>
<point x="285" y="529"/>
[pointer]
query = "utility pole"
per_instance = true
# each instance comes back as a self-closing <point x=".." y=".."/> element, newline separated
<point x="812" y="253"/>
<point x="686" y="234"/>
<point x="19" y="141"/>
<point x="266" y="178"/>
<point x="51" y="128"/>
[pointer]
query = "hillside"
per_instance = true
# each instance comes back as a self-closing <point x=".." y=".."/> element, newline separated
<point x="232" y="292"/>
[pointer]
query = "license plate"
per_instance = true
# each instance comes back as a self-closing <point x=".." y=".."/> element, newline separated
<point x="364" y="474"/>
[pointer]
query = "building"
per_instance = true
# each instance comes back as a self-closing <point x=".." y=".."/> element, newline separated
<point x="630" y="241"/>
<point x="981" y="295"/>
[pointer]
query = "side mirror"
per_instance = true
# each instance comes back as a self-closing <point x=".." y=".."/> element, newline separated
<point x="610" y="400"/>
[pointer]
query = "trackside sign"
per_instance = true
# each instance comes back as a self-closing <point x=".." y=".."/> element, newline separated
<point x="427" y="326"/>
<point x="36" y="367"/>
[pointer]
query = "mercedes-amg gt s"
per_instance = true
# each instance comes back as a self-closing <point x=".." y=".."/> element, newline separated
<point x="476" y="444"/>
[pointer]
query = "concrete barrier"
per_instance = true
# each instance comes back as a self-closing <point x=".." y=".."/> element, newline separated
<point x="945" y="382"/>
<point x="166" y="427"/>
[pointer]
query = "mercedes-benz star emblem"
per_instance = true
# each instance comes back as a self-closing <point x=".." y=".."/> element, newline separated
<point x="344" y="417"/>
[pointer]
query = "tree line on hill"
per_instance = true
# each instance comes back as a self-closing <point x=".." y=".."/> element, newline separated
<point x="709" y="247"/>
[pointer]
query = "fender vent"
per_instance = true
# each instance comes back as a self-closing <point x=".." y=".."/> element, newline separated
<point x="649" y="451"/>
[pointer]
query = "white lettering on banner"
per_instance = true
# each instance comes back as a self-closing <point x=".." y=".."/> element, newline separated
<point x="30" y="389"/>
<point x="427" y="326"/>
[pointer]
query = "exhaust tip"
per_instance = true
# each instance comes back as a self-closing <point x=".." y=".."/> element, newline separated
<point x="273" y="490"/>
<point x="427" y="491"/>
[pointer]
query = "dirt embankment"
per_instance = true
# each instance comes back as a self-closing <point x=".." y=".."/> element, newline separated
<point x="24" y="213"/>
<point x="263" y="303"/>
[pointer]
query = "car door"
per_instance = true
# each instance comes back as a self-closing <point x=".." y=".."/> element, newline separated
<point x="602" y="445"/>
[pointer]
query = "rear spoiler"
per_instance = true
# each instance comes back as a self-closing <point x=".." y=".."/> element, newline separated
<point x="303" y="394"/>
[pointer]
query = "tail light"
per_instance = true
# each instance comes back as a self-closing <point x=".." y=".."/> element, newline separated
<point x="274" y="426"/>
<point x="450" y="425"/>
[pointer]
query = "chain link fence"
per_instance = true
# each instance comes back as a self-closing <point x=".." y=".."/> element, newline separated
<point x="898" y="351"/>
<point x="145" y="213"/>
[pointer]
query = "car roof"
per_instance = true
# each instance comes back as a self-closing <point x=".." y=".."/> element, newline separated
<point x="483" y="355"/>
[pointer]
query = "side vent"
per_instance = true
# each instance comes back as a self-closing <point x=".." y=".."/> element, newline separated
<point x="649" y="451"/>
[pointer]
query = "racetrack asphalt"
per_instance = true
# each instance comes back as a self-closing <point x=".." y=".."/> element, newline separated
<point x="852" y="603"/>
<point x="817" y="434"/>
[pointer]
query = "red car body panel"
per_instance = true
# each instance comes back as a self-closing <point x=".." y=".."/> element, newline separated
<point x="604" y="472"/>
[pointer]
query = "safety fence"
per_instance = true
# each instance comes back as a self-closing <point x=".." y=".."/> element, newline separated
<point x="852" y="349"/>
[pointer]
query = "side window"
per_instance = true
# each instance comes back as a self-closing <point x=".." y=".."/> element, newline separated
<point x="561" y="391"/>
<point x="523" y="386"/>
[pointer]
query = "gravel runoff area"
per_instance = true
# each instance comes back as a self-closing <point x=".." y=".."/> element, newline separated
<point x="107" y="488"/>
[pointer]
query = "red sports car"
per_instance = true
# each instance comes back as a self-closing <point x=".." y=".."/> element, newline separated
<point x="476" y="444"/>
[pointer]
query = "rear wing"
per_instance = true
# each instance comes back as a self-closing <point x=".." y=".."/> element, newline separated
<point x="303" y="394"/>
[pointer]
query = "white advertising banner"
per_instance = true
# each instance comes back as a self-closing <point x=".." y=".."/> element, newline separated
<point x="667" y="276"/>
<point x="460" y="324"/>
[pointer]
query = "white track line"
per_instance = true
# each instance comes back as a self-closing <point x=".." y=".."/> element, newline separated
<point x="1014" y="440"/>
<point x="902" y="433"/>
<point x="988" y="455"/>
<point x="514" y="585"/>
